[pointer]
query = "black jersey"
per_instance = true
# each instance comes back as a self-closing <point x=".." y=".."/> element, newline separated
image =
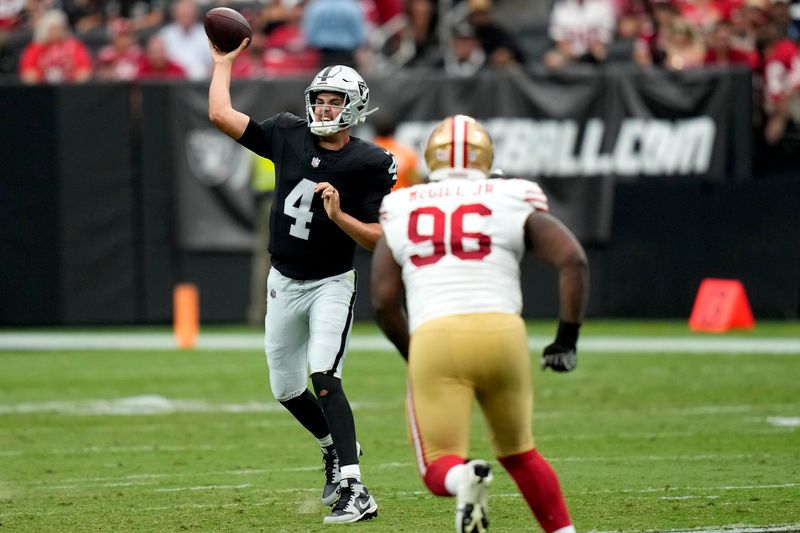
<point x="304" y="243"/>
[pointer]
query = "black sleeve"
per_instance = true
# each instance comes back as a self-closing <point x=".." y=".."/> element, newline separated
<point x="257" y="137"/>
<point x="380" y="182"/>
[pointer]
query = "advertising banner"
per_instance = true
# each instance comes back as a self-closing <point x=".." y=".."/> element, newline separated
<point x="576" y="132"/>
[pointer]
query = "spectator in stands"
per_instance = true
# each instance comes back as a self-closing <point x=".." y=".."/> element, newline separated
<point x="780" y="66"/>
<point x="650" y="46"/>
<point x="386" y="10"/>
<point x="422" y="16"/>
<point x="780" y="12"/>
<point x="11" y="19"/>
<point x="286" y="49"/>
<point x="11" y="14"/>
<point x="186" y="42"/>
<point x="465" y="56"/>
<point x="703" y="15"/>
<point x="723" y="51"/>
<point x="248" y="63"/>
<point x="54" y="56"/>
<point x="273" y="15"/>
<point x="337" y="28"/>
<point x="684" y="47"/>
<point x="120" y="59"/>
<point x="794" y="23"/>
<point x="156" y="65"/>
<point x="33" y="11"/>
<point x="499" y="45"/>
<point x="146" y="15"/>
<point x="632" y="18"/>
<point x="84" y="15"/>
<point x="745" y="23"/>
<point x="581" y="31"/>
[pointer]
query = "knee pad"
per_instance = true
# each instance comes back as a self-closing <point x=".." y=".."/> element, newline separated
<point x="325" y="386"/>
<point x="284" y="395"/>
<point x="287" y="386"/>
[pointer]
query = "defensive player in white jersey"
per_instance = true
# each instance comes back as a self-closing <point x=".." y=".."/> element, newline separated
<point x="452" y="248"/>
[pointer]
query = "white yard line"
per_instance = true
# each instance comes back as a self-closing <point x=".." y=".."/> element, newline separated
<point x="145" y="479"/>
<point x="60" y="341"/>
<point x="166" y="448"/>
<point x="155" y="404"/>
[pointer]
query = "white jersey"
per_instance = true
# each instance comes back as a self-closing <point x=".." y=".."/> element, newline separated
<point x="580" y="23"/>
<point x="459" y="243"/>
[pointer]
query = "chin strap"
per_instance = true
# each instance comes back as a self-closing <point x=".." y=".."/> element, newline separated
<point x="322" y="131"/>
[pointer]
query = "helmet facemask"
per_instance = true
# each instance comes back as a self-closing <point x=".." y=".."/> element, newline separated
<point x="324" y="128"/>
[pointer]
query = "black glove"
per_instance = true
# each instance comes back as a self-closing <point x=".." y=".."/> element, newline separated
<point x="559" y="358"/>
<point x="562" y="355"/>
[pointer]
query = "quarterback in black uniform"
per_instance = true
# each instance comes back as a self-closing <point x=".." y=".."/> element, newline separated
<point x="329" y="187"/>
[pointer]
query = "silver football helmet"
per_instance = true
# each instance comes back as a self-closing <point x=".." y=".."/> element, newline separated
<point x="347" y="82"/>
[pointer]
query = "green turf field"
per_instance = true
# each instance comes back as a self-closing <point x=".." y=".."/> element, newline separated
<point x="653" y="432"/>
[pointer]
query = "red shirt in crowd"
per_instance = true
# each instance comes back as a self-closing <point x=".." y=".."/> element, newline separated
<point x="780" y="60"/>
<point x="245" y="67"/>
<point x="120" y="64"/>
<point x="734" y="56"/>
<point x="286" y="53"/>
<point x="166" y="71"/>
<point x="63" y="61"/>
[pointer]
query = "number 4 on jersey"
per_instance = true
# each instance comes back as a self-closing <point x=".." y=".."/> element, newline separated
<point x="298" y="206"/>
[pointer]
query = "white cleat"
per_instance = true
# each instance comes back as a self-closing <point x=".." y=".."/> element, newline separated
<point x="472" y="499"/>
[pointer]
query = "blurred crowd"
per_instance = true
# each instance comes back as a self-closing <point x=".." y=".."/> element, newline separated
<point x="54" y="41"/>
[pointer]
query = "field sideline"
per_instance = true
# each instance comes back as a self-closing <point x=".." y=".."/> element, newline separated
<point x="659" y="429"/>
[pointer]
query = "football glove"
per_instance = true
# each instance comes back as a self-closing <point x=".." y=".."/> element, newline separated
<point x="562" y="355"/>
<point x="559" y="358"/>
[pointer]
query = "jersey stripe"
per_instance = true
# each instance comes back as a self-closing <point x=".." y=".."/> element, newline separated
<point x="324" y="75"/>
<point x="458" y="156"/>
<point x="533" y="198"/>
<point x="416" y="437"/>
<point x="346" y="330"/>
<point x="453" y="146"/>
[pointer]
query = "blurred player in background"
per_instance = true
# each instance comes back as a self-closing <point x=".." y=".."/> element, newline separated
<point x="329" y="187"/>
<point x="407" y="160"/>
<point x="452" y="247"/>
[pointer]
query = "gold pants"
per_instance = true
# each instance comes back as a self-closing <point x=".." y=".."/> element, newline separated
<point x="456" y="359"/>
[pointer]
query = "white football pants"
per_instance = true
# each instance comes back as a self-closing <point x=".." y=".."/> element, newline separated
<point x="307" y="328"/>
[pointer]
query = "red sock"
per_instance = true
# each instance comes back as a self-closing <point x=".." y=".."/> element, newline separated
<point x="539" y="486"/>
<point x="437" y="471"/>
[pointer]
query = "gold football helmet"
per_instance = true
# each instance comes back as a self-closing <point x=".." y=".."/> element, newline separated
<point x="459" y="143"/>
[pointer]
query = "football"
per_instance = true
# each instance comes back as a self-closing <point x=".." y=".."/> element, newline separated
<point x="226" y="28"/>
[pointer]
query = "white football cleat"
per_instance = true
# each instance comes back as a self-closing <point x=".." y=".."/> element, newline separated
<point x="472" y="499"/>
